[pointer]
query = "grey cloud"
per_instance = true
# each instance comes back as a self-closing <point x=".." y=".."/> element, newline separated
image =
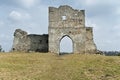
<point x="103" y="15"/>
<point x="18" y="16"/>
<point x="20" y="3"/>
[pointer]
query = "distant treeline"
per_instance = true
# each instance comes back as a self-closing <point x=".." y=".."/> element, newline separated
<point x="109" y="53"/>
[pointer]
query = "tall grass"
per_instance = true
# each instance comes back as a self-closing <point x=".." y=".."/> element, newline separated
<point x="48" y="66"/>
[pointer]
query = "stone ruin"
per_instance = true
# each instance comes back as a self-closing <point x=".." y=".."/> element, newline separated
<point x="29" y="42"/>
<point x="63" y="21"/>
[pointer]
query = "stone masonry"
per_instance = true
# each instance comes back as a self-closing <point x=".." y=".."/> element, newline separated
<point x="29" y="42"/>
<point x="65" y="21"/>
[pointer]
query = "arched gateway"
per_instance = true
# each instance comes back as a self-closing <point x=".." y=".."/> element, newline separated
<point x="66" y="45"/>
<point x="67" y="21"/>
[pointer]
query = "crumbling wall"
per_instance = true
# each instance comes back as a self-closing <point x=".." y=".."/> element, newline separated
<point x="90" y="45"/>
<point x="39" y="43"/>
<point x="21" y="42"/>
<point x="29" y="42"/>
<point x="66" y="16"/>
<point x="66" y="21"/>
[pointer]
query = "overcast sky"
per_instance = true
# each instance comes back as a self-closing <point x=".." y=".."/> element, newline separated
<point x="32" y="16"/>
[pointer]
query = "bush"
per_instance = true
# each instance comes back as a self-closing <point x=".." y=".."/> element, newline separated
<point x="118" y="54"/>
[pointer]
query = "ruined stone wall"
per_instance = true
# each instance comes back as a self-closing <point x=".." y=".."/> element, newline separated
<point x="65" y="21"/>
<point x="39" y="43"/>
<point x="77" y="35"/>
<point x="90" y="45"/>
<point x="21" y="42"/>
<point x="66" y="16"/>
<point x="24" y="42"/>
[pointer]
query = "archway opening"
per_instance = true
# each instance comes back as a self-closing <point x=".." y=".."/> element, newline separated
<point x="66" y="45"/>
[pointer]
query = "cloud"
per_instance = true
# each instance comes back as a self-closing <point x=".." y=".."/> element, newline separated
<point x="91" y="2"/>
<point x="28" y="3"/>
<point x="19" y="16"/>
<point x="4" y="2"/>
<point x="20" y="3"/>
<point x="117" y="11"/>
<point x="1" y="23"/>
<point x="116" y="30"/>
<point x="100" y="2"/>
<point x="14" y="15"/>
<point x="3" y="36"/>
<point x="5" y="41"/>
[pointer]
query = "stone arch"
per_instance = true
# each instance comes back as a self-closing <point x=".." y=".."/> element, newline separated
<point x="71" y="44"/>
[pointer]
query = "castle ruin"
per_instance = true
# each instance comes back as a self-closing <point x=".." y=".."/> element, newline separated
<point x="29" y="42"/>
<point x="63" y="21"/>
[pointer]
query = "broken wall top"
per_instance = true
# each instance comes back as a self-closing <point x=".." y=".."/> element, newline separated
<point x="66" y="16"/>
<point x="20" y="33"/>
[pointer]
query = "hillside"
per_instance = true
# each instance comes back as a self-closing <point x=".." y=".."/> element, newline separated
<point x="48" y="66"/>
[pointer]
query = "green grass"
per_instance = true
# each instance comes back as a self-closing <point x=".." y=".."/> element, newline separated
<point x="48" y="66"/>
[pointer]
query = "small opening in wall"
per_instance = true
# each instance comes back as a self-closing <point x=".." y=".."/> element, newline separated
<point x="64" y="18"/>
<point x="13" y="49"/>
<point x="75" y="14"/>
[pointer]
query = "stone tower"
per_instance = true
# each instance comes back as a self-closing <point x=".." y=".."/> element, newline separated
<point x="65" y="21"/>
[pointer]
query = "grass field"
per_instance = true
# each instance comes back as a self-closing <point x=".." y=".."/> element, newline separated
<point x="48" y="66"/>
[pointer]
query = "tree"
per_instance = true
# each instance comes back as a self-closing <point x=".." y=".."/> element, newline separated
<point x="118" y="54"/>
<point x="0" y="48"/>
